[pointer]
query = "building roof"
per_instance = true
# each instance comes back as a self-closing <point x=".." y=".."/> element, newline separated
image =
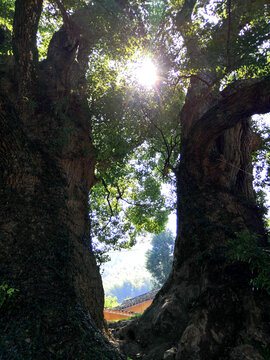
<point x="120" y="311"/>
<point x="137" y="300"/>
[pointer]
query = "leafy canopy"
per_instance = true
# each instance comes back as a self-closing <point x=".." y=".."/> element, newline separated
<point x="136" y="133"/>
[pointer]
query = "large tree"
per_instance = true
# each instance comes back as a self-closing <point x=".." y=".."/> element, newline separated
<point x="51" y="290"/>
<point x="214" y="305"/>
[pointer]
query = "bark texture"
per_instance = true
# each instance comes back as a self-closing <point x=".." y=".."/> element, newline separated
<point x="46" y="171"/>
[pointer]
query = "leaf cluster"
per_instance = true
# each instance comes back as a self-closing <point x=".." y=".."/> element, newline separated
<point x="128" y="202"/>
<point x="225" y="40"/>
<point x="244" y="248"/>
<point x="261" y="156"/>
<point x="111" y="302"/>
<point x="7" y="9"/>
<point x="7" y="297"/>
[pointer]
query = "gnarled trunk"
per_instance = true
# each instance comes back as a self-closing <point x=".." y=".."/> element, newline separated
<point x="45" y="246"/>
<point x="208" y="309"/>
<point x="46" y="171"/>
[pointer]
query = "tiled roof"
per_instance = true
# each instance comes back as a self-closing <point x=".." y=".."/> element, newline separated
<point x="137" y="300"/>
<point x="120" y="311"/>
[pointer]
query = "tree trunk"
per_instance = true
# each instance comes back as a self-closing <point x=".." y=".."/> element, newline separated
<point x="208" y="309"/>
<point x="46" y="171"/>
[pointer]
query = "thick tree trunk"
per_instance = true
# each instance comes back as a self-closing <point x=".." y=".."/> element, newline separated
<point x="46" y="171"/>
<point x="46" y="254"/>
<point x="45" y="246"/>
<point x="207" y="309"/>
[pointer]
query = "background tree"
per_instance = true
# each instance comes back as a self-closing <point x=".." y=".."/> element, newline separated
<point x="129" y="289"/>
<point x="111" y="302"/>
<point x="159" y="259"/>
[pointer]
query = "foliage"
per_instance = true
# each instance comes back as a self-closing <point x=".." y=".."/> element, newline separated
<point x="137" y="138"/>
<point x="111" y="302"/>
<point x="127" y="202"/>
<point x="263" y="350"/>
<point x="7" y="298"/>
<point x="110" y="26"/>
<point x="126" y="116"/>
<point x="232" y="41"/>
<point x="261" y="156"/>
<point x="7" y="8"/>
<point x="159" y="258"/>
<point x="244" y="248"/>
<point x="129" y="122"/>
<point x="50" y="22"/>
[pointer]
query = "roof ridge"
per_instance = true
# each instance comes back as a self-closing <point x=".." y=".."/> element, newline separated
<point x="120" y="310"/>
<point x="133" y="301"/>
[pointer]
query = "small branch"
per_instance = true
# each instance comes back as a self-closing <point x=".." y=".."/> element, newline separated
<point x="70" y="26"/>
<point x="106" y="225"/>
<point x="63" y="11"/>
<point x="169" y="146"/>
<point x="194" y="77"/>
<point x="108" y="196"/>
<point x="185" y="13"/>
<point x="120" y="196"/>
<point x="134" y="204"/>
<point x="109" y="204"/>
<point x="119" y="192"/>
<point x="160" y="130"/>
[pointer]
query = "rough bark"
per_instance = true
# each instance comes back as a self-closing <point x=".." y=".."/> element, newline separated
<point x="46" y="171"/>
<point x="208" y="309"/>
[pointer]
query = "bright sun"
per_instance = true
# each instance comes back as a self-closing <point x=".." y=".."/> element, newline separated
<point x="146" y="73"/>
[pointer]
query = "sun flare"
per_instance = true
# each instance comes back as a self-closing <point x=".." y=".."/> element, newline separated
<point x="146" y="73"/>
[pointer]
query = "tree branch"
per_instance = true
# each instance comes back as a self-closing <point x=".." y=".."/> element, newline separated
<point x="158" y="128"/>
<point x="185" y="13"/>
<point x="63" y="11"/>
<point x="193" y="76"/>
<point x="120" y="196"/>
<point x="108" y="197"/>
<point x="247" y="101"/>
<point x="71" y="28"/>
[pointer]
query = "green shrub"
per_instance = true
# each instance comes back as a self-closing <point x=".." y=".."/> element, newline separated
<point x="7" y="297"/>
<point x="244" y="248"/>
